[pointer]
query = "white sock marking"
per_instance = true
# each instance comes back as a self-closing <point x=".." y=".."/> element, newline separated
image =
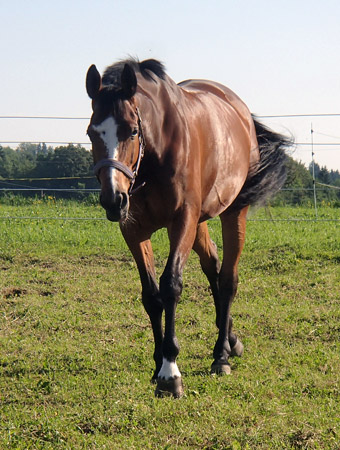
<point x="169" y="370"/>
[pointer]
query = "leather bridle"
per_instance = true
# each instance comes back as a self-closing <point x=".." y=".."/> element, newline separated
<point x="131" y="174"/>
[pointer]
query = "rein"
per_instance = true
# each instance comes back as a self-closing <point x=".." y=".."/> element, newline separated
<point x="131" y="174"/>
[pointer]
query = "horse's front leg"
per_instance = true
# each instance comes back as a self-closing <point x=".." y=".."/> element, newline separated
<point x="141" y="249"/>
<point x="182" y="235"/>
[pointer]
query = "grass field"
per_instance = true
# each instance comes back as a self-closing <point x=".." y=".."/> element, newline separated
<point x="76" y="346"/>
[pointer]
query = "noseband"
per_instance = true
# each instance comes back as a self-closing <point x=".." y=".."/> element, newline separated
<point x="131" y="174"/>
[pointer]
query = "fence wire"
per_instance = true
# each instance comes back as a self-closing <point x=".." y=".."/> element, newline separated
<point x="12" y="186"/>
<point x="89" y="219"/>
<point x="84" y="191"/>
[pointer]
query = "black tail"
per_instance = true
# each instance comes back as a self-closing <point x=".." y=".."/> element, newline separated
<point x="269" y="175"/>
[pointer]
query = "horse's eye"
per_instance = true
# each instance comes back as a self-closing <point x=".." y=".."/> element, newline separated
<point x="134" y="133"/>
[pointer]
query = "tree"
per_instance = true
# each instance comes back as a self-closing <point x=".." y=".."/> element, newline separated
<point x="72" y="161"/>
<point x="27" y="148"/>
<point x="296" y="189"/>
<point x="9" y="162"/>
<point x="64" y="161"/>
<point x="324" y="176"/>
<point x="297" y="175"/>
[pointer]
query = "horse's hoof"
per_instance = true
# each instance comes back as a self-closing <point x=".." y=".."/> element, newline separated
<point x="220" y="369"/>
<point x="238" y="348"/>
<point x="172" y="387"/>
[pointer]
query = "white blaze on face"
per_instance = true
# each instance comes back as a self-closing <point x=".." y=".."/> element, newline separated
<point x="169" y="370"/>
<point x="107" y="131"/>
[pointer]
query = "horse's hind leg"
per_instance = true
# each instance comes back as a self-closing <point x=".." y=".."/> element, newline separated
<point x="207" y="252"/>
<point x="233" y="230"/>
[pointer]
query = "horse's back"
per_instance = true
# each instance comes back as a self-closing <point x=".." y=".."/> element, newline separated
<point x="222" y="92"/>
<point x="224" y="95"/>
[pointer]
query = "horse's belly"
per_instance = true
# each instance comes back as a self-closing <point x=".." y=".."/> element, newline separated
<point x="221" y="196"/>
<point x="223" y="177"/>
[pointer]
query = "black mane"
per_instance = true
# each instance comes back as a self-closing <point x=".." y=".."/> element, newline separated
<point x="147" y="68"/>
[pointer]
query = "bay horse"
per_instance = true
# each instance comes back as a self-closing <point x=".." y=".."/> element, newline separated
<point x="173" y="156"/>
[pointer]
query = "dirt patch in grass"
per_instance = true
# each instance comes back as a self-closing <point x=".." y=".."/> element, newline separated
<point x="13" y="292"/>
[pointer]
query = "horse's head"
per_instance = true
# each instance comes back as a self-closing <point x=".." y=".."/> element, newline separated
<point x="117" y="140"/>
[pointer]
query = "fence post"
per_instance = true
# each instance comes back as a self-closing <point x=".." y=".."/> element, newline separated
<point x="313" y="171"/>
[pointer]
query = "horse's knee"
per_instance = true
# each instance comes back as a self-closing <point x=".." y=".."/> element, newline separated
<point x="210" y="265"/>
<point x="228" y="286"/>
<point x="170" y="286"/>
<point x="152" y="303"/>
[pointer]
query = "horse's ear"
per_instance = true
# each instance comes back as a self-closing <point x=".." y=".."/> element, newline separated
<point x="93" y="81"/>
<point x="129" y="81"/>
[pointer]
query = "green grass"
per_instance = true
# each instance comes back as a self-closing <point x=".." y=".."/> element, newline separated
<point x="76" y="346"/>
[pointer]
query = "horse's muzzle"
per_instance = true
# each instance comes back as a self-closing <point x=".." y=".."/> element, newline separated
<point x="116" y="205"/>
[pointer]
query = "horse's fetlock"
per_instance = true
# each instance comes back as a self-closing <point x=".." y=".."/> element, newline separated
<point x="170" y="349"/>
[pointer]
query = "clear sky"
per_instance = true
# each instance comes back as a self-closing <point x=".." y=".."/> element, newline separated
<point x="280" y="57"/>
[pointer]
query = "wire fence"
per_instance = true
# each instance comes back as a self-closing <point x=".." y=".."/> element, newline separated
<point x="12" y="185"/>
<point x="49" y="194"/>
<point x="80" y="118"/>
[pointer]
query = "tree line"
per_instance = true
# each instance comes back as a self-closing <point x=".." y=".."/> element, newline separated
<point x="299" y="185"/>
<point x="40" y="166"/>
<point x="70" y="166"/>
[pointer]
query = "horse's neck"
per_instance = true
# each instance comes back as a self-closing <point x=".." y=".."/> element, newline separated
<point x="157" y="104"/>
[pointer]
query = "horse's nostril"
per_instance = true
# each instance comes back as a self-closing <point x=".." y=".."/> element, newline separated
<point x="124" y="200"/>
<point x="114" y="202"/>
<point x="103" y="201"/>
